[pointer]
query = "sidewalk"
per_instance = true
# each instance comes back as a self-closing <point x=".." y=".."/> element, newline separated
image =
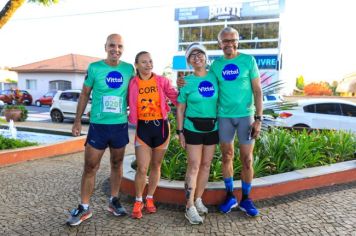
<point x="36" y="195"/>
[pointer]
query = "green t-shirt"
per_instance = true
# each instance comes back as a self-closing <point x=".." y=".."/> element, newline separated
<point x="109" y="91"/>
<point x="200" y="94"/>
<point x="235" y="85"/>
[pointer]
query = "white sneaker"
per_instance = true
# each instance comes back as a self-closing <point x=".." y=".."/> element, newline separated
<point x="202" y="210"/>
<point x="193" y="216"/>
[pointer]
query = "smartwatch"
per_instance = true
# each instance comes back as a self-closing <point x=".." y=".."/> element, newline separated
<point x="179" y="131"/>
<point x="259" y="118"/>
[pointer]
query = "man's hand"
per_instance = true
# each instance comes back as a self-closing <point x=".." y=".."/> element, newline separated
<point x="256" y="127"/>
<point x="182" y="140"/>
<point x="180" y="82"/>
<point x="77" y="128"/>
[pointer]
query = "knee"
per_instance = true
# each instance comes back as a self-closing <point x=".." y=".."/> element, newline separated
<point x="141" y="170"/>
<point x="194" y="170"/>
<point x="90" y="169"/>
<point x="156" y="166"/>
<point x="116" y="163"/>
<point x="247" y="162"/>
<point x="204" y="166"/>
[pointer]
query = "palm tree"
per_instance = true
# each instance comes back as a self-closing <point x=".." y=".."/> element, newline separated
<point x="12" y="5"/>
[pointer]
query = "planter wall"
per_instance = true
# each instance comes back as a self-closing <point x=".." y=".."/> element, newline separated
<point x="265" y="187"/>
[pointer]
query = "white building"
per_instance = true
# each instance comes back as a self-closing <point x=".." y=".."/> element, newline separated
<point x="60" y="73"/>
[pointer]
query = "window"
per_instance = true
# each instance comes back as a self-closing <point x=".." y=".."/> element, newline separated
<point x="69" y="96"/>
<point x="348" y="110"/>
<point x="60" y="85"/>
<point x="31" y="84"/>
<point x="328" y="108"/>
<point x="309" y="108"/>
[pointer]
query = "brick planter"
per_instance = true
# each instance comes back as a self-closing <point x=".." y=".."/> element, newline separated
<point x="265" y="187"/>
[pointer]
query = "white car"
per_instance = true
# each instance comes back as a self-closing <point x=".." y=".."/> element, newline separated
<point x="321" y="113"/>
<point x="64" y="106"/>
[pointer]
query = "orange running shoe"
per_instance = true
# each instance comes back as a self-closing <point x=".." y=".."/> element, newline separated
<point x="150" y="205"/>
<point x="137" y="210"/>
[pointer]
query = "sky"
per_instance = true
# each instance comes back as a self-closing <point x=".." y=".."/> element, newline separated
<point x="318" y="37"/>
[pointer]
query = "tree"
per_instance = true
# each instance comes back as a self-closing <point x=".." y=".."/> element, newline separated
<point x="321" y="88"/>
<point x="12" y="5"/>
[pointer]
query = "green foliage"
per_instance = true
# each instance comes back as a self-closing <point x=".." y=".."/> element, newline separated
<point x="24" y="113"/>
<point x="44" y="2"/>
<point x="276" y="151"/>
<point x="300" y="82"/>
<point x="10" y="143"/>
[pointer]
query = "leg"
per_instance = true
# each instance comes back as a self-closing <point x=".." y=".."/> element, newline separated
<point x="116" y="159"/>
<point x="91" y="165"/>
<point x="227" y="150"/>
<point x="246" y="158"/>
<point x="194" y="160"/>
<point x="155" y="170"/>
<point x="143" y="158"/>
<point x="204" y="169"/>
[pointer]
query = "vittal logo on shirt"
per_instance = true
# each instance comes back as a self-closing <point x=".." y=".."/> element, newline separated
<point x="230" y="72"/>
<point x="114" y="79"/>
<point x="206" y="89"/>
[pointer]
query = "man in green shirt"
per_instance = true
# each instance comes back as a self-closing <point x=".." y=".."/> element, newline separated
<point x="239" y="112"/>
<point x="108" y="81"/>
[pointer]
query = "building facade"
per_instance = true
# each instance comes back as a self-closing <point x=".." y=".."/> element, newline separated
<point x="258" y="24"/>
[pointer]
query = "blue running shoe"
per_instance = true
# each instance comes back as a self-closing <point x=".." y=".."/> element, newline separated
<point x="248" y="207"/>
<point x="78" y="215"/>
<point x="116" y="208"/>
<point x="230" y="202"/>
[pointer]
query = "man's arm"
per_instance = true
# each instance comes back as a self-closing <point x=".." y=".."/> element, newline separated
<point x="82" y="103"/>
<point x="257" y="94"/>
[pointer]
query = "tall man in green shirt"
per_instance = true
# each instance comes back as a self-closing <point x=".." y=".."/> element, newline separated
<point x="108" y="81"/>
<point x="240" y="112"/>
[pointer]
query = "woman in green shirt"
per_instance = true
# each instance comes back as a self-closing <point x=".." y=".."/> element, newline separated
<point x="197" y="128"/>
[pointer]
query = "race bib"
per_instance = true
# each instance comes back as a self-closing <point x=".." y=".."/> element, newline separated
<point x="112" y="104"/>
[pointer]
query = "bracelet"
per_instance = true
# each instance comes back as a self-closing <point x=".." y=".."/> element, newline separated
<point x="179" y="131"/>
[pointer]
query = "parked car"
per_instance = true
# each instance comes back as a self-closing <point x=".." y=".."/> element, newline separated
<point x="272" y="98"/>
<point x="321" y="113"/>
<point x="64" y="106"/>
<point x="46" y="99"/>
<point x="2" y="104"/>
<point x="9" y="96"/>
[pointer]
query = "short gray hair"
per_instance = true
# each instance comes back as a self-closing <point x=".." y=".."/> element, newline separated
<point x="227" y="30"/>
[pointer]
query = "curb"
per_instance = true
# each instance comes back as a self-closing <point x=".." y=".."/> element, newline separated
<point x="172" y="192"/>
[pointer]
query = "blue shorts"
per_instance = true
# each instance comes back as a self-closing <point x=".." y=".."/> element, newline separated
<point x="101" y="136"/>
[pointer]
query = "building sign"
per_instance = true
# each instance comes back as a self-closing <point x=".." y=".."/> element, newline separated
<point x="265" y="62"/>
<point x="236" y="11"/>
<point x="192" y="13"/>
<point x="224" y="12"/>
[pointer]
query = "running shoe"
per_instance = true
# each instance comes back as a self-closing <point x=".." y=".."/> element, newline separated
<point x="202" y="210"/>
<point x="116" y="208"/>
<point x="193" y="216"/>
<point x="78" y="215"/>
<point x="137" y="210"/>
<point x="230" y="202"/>
<point x="248" y="207"/>
<point x="150" y="205"/>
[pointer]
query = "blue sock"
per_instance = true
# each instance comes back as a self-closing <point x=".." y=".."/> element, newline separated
<point x="229" y="184"/>
<point x="246" y="189"/>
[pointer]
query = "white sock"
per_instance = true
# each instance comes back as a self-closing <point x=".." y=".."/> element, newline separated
<point x="85" y="206"/>
<point x="138" y="199"/>
<point x="149" y="196"/>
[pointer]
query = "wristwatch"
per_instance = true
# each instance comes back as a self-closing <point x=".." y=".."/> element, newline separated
<point x="259" y="118"/>
<point x="179" y="131"/>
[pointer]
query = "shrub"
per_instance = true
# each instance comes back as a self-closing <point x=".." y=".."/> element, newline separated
<point x="10" y="143"/>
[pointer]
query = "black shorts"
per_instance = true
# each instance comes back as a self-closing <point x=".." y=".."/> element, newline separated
<point x="153" y="133"/>
<point x="206" y="138"/>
